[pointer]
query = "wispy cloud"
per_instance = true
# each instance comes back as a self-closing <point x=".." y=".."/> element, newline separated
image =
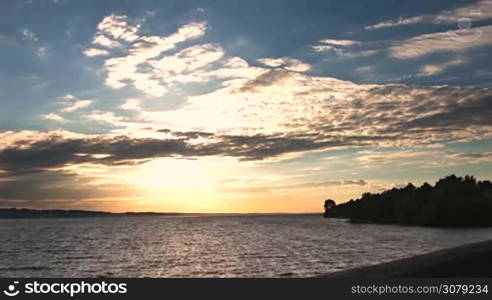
<point x="54" y="117"/>
<point x="394" y="115"/>
<point x="115" y="30"/>
<point x="330" y="44"/>
<point x="77" y="105"/>
<point x="433" y="69"/>
<point x="91" y="52"/>
<point x="396" y="22"/>
<point x="286" y="63"/>
<point x="344" y="49"/>
<point x="481" y="10"/>
<point x="452" y="41"/>
<point x="422" y="158"/>
<point x="131" y="104"/>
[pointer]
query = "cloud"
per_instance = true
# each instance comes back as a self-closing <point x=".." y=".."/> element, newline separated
<point x="289" y="102"/>
<point x="91" y="52"/>
<point x="124" y="69"/>
<point x="286" y="63"/>
<point x="476" y="157"/>
<point x="143" y="64"/>
<point x="380" y="157"/>
<point x="49" y="186"/>
<point x="344" y="49"/>
<point x="187" y="65"/>
<point x="481" y="10"/>
<point x="332" y="45"/>
<point x="54" y="117"/>
<point x="131" y="104"/>
<point x="452" y="41"/>
<point x="394" y="115"/>
<point x="422" y="158"/>
<point x="364" y="69"/>
<point x="396" y="22"/>
<point x="104" y="41"/>
<point x="117" y="28"/>
<point x="278" y="186"/>
<point x="344" y="43"/>
<point x="270" y="111"/>
<point x="104" y="117"/>
<point x="77" y="105"/>
<point x="112" y="31"/>
<point x="266" y="79"/>
<point x="55" y="151"/>
<point x="150" y="66"/>
<point x="433" y="69"/>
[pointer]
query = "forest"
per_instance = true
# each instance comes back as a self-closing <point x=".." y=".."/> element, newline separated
<point x="452" y="202"/>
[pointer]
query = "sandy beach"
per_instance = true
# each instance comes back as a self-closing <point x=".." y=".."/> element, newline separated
<point x="472" y="260"/>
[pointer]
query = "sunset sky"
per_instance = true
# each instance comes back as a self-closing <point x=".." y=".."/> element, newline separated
<point x="238" y="106"/>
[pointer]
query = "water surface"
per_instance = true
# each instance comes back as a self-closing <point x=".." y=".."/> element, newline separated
<point x="213" y="246"/>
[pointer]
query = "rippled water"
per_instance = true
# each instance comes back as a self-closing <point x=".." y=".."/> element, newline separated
<point x="214" y="246"/>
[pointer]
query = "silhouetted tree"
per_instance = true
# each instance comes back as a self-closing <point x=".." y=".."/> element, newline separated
<point x="453" y="201"/>
<point x="329" y="206"/>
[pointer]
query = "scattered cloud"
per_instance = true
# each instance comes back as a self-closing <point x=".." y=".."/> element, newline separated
<point x="394" y="115"/>
<point x="47" y="186"/>
<point x="396" y="22"/>
<point x="476" y="157"/>
<point x="364" y="69"/>
<point x="453" y="41"/>
<point x="77" y="105"/>
<point x="54" y="117"/>
<point x="131" y="104"/>
<point x="286" y="63"/>
<point x="124" y="70"/>
<point x="117" y="27"/>
<point x="422" y="158"/>
<point x="91" y="52"/>
<point x="433" y="69"/>
<point x="332" y="45"/>
<point x="481" y="10"/>
<point x="344" y="49"/>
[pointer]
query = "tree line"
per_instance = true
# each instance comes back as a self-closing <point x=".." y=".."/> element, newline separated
<point x="452" y="201"/>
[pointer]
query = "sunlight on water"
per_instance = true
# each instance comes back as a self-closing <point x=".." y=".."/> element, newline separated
<point x="219" y="246"/>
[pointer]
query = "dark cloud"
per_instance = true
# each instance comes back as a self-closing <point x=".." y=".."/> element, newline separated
<point x="405" y="115"/>
<point x="47" y="189"/>
<point x="391" y="115"/>
<point x="55" y="152"/>
<point x="266" y="79"/>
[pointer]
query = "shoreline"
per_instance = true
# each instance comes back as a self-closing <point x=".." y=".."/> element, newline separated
<point x="471" y="260"/>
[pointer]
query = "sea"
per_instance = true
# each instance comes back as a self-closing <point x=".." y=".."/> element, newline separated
<point x="210" y="246"/>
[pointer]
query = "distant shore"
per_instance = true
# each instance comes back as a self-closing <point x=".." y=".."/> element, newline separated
<point x="27" y="213"/>
<point x="472" y="260"/>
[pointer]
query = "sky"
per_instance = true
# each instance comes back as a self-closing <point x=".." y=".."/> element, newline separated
<point x="238" y="106"/>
